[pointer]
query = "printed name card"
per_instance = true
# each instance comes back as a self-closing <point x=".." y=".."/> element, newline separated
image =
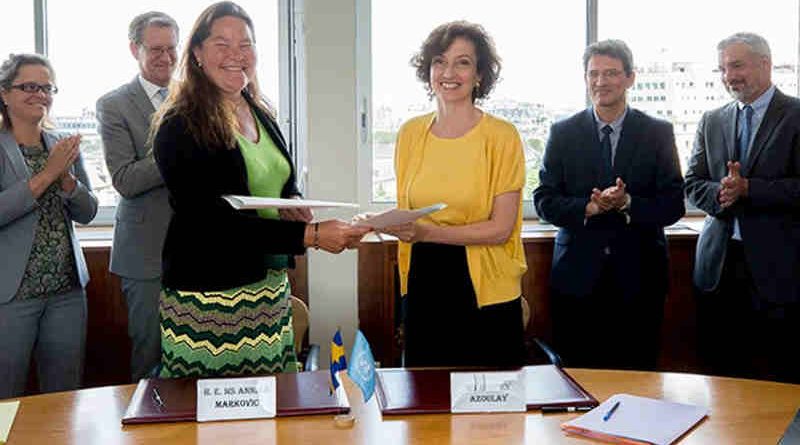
<point x="237" y="398"/>
<point x="484" y="392"/>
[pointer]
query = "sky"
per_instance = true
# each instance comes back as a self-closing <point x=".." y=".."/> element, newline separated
<point x="89" y="51"/>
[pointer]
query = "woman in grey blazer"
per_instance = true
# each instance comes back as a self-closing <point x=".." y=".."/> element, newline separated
<point x="43" y="188"/>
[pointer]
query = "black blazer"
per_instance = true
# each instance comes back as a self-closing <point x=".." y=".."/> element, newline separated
<point x="769" y="217"/>
<point x="209" y="245"/>
<point x="647" y="161"/>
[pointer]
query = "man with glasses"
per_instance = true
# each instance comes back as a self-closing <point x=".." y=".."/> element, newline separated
<point x="143" y="212"/>
<point x="610" y="181"/>
<point x="744" y="172"/>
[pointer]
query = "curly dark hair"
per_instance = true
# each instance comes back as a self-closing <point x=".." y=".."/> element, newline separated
<point x="442" y="37"/>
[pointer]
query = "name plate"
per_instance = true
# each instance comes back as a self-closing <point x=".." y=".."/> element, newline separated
<point x="487" y="392"/>
<point x="236" y="398"/>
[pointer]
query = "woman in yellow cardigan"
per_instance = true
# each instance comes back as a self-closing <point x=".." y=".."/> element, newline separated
<point x="460" y="268"/>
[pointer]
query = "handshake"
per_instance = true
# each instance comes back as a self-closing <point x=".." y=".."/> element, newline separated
<point x="612" y="198"/>
<point x="336" y="235"/>
<point x="333" y="235"/>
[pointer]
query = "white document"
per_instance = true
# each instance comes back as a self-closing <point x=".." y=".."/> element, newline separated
<point x="8" y="410"/>
<point x="396" y="216"/>
<point x="236" y="398"/>
<point x="487" y="392"/>
<point x="240" y="202"/>
<point x="638" y="418"/>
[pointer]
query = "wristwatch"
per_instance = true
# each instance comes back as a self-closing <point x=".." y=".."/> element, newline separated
<point x="626" y="207"/>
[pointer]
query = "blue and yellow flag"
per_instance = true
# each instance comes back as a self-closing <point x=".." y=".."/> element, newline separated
<point x="362" y="369"/>
<point x="338" y="361"/>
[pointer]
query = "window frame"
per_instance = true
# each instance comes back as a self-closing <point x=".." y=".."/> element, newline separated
<point x="364" y="107"/>
<point x="291" y="65"/>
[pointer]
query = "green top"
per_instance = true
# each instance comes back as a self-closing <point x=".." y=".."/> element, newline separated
<point x="267" y="172"/>
<point x="267" y="168"/>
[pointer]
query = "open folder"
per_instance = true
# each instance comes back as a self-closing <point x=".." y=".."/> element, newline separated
<point x="418" y="391"/>
<point x="628" y="419"/>
<point x="298" y="394"/>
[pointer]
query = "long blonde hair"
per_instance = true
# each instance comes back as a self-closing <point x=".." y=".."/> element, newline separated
<point x="197" y="99"/>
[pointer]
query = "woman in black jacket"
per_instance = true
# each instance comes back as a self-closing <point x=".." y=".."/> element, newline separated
<point x="224" y="306"/>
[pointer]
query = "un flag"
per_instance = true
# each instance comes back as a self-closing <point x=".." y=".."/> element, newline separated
<point x="362" y="366"/>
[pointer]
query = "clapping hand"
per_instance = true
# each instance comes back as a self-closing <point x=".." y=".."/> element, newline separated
<point x="62" y="155"/>
<point x="611" y="198"/>
<point x="733" y="186"/>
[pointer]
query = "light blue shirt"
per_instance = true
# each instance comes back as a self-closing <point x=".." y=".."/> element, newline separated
<point x="759" y="107"/>
<point x="152" y="91"/>
<point x="616" y="125"/>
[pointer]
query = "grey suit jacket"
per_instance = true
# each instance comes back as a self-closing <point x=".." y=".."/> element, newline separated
<point x="143" y="212"/>
<point x="769" y="216"/>
<point x="19" y="213"/>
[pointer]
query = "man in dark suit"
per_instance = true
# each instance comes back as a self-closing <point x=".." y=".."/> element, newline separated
<point x="143" y="212"/>
<point x="610" y="181"/>
<point x="745" y="174"/>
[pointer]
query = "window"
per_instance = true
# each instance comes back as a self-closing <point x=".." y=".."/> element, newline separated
<point x="689" y="60"/>
<point x="17" y="35"/>
<point x="540" y="43"/>
<point x="91" y="57"/>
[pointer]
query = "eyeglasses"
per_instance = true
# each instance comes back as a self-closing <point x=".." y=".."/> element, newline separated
<point x="33" y="87"/>
<point x="606" y="74"/>
<point x="157" y="51"/>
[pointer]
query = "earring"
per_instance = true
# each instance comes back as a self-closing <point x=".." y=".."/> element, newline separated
<point x="199" y="64"/>
<point x="477" y="84"/>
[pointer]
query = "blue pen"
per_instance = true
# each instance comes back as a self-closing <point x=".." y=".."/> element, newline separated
<point x="611" y="412"/>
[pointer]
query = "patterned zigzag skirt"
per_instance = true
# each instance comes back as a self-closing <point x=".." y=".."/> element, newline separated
<point x="240" y="331"/>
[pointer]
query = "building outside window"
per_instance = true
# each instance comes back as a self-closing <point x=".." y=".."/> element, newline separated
<point x="92" y="58"/>
<point x="541" y="79"/>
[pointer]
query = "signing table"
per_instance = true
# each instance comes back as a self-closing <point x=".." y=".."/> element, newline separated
<point x="741" y="412"/>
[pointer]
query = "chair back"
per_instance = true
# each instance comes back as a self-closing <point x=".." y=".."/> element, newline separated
<point x="300" y="316"/>
<point x="526" y="312"/>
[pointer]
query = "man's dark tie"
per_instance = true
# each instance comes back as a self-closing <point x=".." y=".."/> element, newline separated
<point x="162" y="94"/>
<point x="744" y="138"/>
<point x="605" y="147"/>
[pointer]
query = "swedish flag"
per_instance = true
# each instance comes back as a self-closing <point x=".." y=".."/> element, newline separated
<point x="338" y="361"/>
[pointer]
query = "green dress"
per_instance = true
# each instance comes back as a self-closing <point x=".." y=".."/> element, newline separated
<point x="239" y="331"/>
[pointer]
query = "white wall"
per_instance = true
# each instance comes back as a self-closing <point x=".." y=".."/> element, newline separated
<point x="332" y="147"/>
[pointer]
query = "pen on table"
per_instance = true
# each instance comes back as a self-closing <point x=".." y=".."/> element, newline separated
<point x="610" y="412"/>
<point x="563" y="409"/>
<point x="157" y="397"/>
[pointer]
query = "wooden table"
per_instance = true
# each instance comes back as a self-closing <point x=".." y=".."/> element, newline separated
<point x="742" y="412"/>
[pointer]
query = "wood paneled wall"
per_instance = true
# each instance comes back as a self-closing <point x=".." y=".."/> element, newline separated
<point x="108" y="347"/>
<point x="379" y="304"/>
